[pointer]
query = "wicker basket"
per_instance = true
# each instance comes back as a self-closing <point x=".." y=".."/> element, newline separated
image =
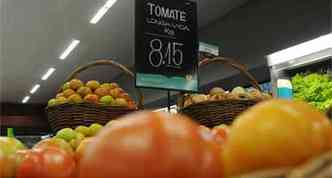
<point x="72" y="115"/>
<point x="213" y="113"/>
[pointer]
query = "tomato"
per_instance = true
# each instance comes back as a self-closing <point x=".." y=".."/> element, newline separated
<point x="8" y="157"/>
<point x="9" y="164"/>
<point x="49" y="162"/>
<point x="152" y="145"/>
<point x="275" y="134"/>
<point x="220" y="133"/>
<point x="55" y="142"/>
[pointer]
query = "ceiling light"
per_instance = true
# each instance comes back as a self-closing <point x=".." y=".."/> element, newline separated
<point x="102" y="11"/>
<point x="48" y="73"/>
<point x="69" y="49"/>
<point x="34" y="89"/>
<point x="26" y="99"/>
<point x="321" y="43"/>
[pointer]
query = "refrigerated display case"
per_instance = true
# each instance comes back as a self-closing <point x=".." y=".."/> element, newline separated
<point x="311" y="59"/>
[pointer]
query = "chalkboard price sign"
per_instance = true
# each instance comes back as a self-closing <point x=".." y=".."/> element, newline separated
<point x="166" y="49"/>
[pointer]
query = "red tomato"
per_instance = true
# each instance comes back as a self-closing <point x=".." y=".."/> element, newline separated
<point x="152" y="145"/>
<point x="47" y="163"/>
<point x="220" y="133"/>
<point x="55" y="142"/>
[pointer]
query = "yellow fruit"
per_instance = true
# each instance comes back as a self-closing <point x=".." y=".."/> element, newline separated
<point x="83" y="130"/>
<point x="93" y="84"/>
<point x="59" y="95"/>
<point x="52" y="102"/>
<point x="107" y="86"/>
<point x="77" y="141"/>
<point x="83" y="91"/>
<point x="80" y="151"/>
<point x="75" y="99"/>
<point x="114" y="85"/>
<point x="125" y="96"/>
<point x="120" y="102"/>
<point x="101" y="92"/>
<point x="68" y="93"/>
<point x="65" y="86"/>
<point x="217" y="91"/>
<point x="115" y="92"/>
<point x="9" y="157"/>
<point x="94" y="129"/>
<point x="91" y="98"/>
<point x="275" y="134"/>
<point x="75" y="84"/>
<point x="61" y="100"/>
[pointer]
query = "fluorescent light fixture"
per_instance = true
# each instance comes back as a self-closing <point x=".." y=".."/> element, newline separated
<point x="26" y="99"/>
<point x="102" y="11"/>
<point x="69" y="49"/>
<point x="49" y="72"/>
<point x="34" y="88"/>
<point x="316" y="45"/>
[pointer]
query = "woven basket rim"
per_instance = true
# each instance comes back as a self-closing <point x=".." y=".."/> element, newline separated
<point x="48" y="108"/>
<point x="202" y="104"/>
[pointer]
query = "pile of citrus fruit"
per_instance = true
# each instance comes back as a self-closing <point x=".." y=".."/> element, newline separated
<point x="274" y="134"/>
<point x="76" y="92"/>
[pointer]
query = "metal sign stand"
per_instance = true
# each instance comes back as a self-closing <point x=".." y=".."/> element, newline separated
<point x="169" y="100"/>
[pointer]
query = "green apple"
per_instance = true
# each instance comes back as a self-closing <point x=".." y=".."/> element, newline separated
<point x="77" y="141"/>
<point x="10" y="145"/>
<point x="67" y="134"/>
<point x="66" y="86"/>
<point x="94" y="129"/>
<point x="52" y="102"/>
<point x="107" y="100"/>
<point x="83" y="130"/>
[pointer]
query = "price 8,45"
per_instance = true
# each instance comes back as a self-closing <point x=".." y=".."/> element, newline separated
<point x="165" y="53"/>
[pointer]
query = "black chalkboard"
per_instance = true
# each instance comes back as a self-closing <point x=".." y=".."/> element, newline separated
<point x="166" y="45"/>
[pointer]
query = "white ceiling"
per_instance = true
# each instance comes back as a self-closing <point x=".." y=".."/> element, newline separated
<point x="33" y="33"/>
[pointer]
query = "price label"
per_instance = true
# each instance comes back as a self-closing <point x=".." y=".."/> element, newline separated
<point x="166" y="49"/>
<point x="169" y="54"/>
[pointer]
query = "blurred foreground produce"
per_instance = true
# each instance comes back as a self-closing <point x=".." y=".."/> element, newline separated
<point x="276" y="134"/>
<point x="273" y="139"/>
<point x="152" y="145"/>
<point x="48" y="162"/>
<point x="55" y="142"/>
<point x="9" y="159"/>
<point x="314" y="88"/>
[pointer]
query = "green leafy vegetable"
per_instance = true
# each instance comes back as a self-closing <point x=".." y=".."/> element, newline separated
<point x="313" y="88"/>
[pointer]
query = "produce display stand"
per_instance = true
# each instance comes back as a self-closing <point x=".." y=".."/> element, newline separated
<point x="72" y="115"/>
